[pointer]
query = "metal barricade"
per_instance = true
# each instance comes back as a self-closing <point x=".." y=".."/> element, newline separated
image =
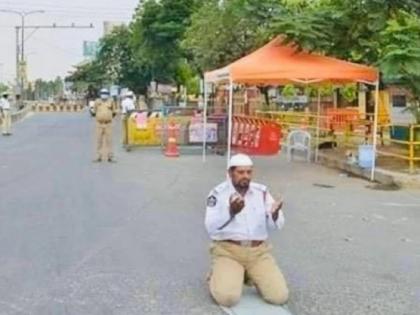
<point x="257" y="136"/>
<point x="143" y="128"/>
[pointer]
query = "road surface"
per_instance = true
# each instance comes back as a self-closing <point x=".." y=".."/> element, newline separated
<point x="80" y="238"/>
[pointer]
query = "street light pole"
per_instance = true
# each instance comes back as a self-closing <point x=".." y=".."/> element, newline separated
<point x="1" y="73"/>
<point x="23" y="39"/>
<point x="17" y="57"/>
<point x="23" y="14"/>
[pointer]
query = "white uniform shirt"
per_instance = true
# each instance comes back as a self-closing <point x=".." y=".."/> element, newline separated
<point x="127" y="105"/>
<point x="252" y="223"/>
<point x="4" y="104"/>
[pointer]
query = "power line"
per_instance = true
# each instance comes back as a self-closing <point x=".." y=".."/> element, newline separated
<point x="75" y="8"/>
<point x="128" y="15"/>
<point x="56" y="47"/>
<point x="66" y="4"/>
<point x="21" y="61"/>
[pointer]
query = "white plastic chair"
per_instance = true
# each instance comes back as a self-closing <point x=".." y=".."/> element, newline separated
<point x="299" y="140"/>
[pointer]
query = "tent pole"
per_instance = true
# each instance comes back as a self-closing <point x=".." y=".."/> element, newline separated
<point x="318" y="123"/>
<point x="205" y="122"/>
<point x="375" y="130"/>
<point x="230" y="121"/>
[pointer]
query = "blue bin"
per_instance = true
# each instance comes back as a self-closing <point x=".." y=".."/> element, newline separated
<point x="366" y="156"/>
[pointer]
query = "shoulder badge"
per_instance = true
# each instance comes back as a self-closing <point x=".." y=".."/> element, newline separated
<point x="211" y="201"/>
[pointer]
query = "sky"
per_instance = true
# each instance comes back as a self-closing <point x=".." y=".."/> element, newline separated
<point x="52" y="53"/>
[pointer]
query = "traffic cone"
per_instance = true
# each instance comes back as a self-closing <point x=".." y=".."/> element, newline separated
<point x="172" y="148"/>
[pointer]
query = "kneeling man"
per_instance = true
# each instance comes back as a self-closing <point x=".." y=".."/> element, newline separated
<point x="238" y="217"/>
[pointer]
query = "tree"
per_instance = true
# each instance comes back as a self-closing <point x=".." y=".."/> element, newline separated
<point x="116" y="63"/>
<point x="58" y="86"/>
<point x="222" y="32"/>
<point x="158" y="29"/>
<point x="41" y="89"/>
<point x="3" y="88"/>
<point x="400" y="55"/>
<point x="117" y="58"/>
<point x="348" y="29"/>
<point x="89" y="73"/>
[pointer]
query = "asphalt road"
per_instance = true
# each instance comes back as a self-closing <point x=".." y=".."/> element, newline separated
<point x="78" y="238"/>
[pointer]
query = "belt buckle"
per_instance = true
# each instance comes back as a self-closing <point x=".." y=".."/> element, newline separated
<point x="246" y="243"/>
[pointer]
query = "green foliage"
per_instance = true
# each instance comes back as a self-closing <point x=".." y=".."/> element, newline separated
<point x="310" y="91"/>
<point x="90" y="73"/>
<point x="175" y="41"/>
<point x="400" y="56"/>
<point x="45" y="89"/>
<point x="326" y="89"/>
<point x="288" y="91"/>
<point x="222" y="32"/>
<point x="158" y="29"/>
<point x="3" y="88"/>
<point x="349" y="92"/>
<point x="348" y="29"/>
<point x="116" y="63"/>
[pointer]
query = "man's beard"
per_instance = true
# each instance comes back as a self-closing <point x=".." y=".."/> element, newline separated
<point x="242" y="185"/>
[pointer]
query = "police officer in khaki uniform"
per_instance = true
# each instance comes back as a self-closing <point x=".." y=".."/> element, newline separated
<point x="104" y="113"/>
<point x="5" y="114"/>
<point x="239" y="215"/>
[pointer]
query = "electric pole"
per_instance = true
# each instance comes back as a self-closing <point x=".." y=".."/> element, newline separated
<point x="23" y="15"/>
<point x="1" y="73"/>
<point x="20" y="42"/>
<point x="53" y="26"/>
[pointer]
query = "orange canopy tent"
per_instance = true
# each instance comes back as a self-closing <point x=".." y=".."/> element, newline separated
<point x="278" y="63"/>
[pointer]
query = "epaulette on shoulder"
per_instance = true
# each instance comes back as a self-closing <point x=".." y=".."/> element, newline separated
<point x="220" y="188"/>
<point x="259" y="187"/>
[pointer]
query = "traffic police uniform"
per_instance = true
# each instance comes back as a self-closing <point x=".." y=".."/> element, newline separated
<point x="240" y="247"/>
<point x="104" y="113"/>
<point x="6" y="115"/>
<point x="127" y="107"/>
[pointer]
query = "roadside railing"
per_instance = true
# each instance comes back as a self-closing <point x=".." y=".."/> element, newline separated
<point x="404" y="147"/>
<point x="347" y="129"/>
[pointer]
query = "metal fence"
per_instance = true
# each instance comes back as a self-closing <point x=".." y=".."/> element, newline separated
<point x="152" y="128"/>
<point x="397" y="150"/>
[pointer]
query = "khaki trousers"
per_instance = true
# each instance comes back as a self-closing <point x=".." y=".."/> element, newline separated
<point x="6" y="122"/>
<point x="125" y="129"/>
<point x="104" y="140"/>
<point x="231" y="262"/>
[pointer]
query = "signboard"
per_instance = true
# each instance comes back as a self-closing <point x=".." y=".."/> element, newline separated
<point x="301" y="99"/>
<point x="114" y="90"/>
<point x="90" y="49"/>
<point x="196" y="133"/>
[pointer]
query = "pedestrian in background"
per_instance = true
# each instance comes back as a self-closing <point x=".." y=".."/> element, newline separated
<point x="6" y="114"/>
<point x="127" y="107"/>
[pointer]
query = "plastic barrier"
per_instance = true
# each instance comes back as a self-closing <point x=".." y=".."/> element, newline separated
<point x="172" y="132"/>
<point x="144" y="134"/>
<point x="338" y="119"/>
<point x="256" y="136"/>
<point x="46" y="107"/>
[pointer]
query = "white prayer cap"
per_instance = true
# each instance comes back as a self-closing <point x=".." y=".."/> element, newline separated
<point x="240" y="160"/>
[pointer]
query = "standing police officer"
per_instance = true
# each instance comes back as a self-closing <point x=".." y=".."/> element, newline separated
<point x="238" y="217"/>
<point x="6" y="115"/>
<point x="104" y="113"/>
<point x="127" y="107"/>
